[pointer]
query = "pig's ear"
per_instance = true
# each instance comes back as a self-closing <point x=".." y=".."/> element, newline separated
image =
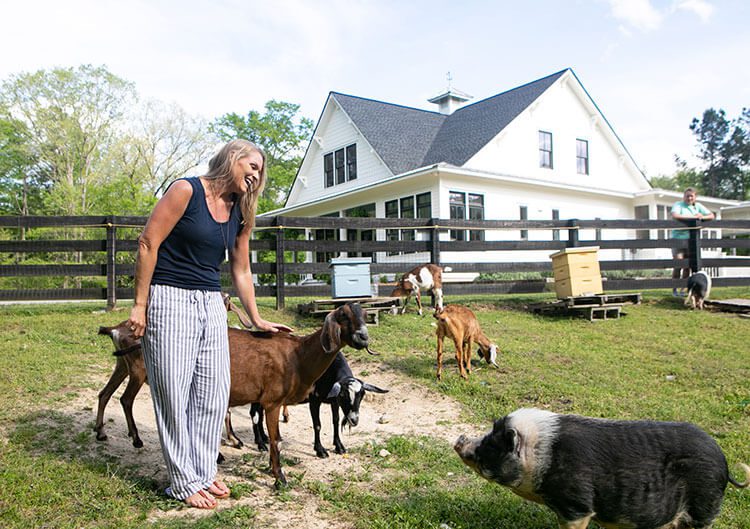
<point x="513" y="441"/>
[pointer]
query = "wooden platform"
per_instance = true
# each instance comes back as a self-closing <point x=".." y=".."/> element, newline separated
<point x="599" y="306"/>
<point x="371" y="305"/>
<point x="739" y="305"/>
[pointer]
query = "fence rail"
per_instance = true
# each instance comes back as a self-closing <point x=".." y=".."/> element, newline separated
<point x="109" y="259"/>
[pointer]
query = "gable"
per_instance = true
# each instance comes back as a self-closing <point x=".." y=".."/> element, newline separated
<point x="471" y="127"/>
<point x="335" y="131"/>
<point x="567" y="114"/>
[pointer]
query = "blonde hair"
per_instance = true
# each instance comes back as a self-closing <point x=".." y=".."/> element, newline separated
<point x="220" y="174"/>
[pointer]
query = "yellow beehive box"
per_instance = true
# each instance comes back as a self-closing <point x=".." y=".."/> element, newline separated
<point x="578" y="286"/>
<point x="576" y="272"/>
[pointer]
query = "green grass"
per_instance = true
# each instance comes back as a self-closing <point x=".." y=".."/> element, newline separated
<point x="659" y="361"/>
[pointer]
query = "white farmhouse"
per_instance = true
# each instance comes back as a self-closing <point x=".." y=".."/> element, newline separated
<point x="540" y="151"/>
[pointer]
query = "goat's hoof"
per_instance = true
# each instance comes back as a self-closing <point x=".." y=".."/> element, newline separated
<point x="340" y="450"/>
<point x="220" y="459"/>
<point x="281" y="482"/>
<point x="262" y="448"/>
<point x="321" y="453"/>
<point x="101" y="436"/>
<point x="137" y="442"/>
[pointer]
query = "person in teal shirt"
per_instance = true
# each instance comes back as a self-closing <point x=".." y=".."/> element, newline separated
<point x="686" y="209"/>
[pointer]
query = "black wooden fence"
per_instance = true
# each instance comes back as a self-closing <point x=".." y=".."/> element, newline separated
<point x="110" y="253"/>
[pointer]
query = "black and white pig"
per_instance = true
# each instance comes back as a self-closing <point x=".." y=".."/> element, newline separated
<point x="699" y="288"/>
<point x="622" y="474"/>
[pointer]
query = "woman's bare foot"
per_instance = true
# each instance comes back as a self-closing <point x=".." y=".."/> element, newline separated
<point x="201" y="500"/>
<point x="218" y="490"/>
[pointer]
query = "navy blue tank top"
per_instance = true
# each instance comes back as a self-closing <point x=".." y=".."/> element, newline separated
<point x="192" y="253"/>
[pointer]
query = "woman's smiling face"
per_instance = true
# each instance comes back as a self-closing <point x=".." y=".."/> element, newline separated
<point x="246" y="172"/>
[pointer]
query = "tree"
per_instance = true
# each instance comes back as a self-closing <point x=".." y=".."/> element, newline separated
<point x="21" y="188"/>
<point x="683" y="178"/>
<point x="724" y="148"/>
<point x="162" y="143"/>
<point x="281" y="134"/>
<point x="71" y="116"/>
<point x="169" y="143"/>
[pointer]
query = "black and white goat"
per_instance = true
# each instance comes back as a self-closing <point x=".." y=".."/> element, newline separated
<point x="338" y="387"/>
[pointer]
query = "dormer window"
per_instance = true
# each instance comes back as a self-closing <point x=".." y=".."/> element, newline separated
<point x="340" y="166"/>
<point x="545" y="149"/>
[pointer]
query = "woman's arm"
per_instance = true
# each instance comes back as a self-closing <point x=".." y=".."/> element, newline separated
<point x="242" y="277"/>
<point x="163" y="219"/>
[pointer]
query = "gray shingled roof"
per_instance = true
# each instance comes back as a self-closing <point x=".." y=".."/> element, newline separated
<point x="408" y="138"/>
<point x="401" y="136"/>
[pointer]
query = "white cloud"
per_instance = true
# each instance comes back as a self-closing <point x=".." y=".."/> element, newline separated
<point x="642" y="15"/>
<point x="637" y="13"/>
<point x="703" y="9"/>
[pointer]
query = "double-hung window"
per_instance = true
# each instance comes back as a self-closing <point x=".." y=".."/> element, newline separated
<point x="582" y="156"/>
<point x="545" y="149"/>
<point x="340" y="166"/>
<point x="465" y="206"/>
<point x="457" y="202"/>
<point x="476" y="212"/>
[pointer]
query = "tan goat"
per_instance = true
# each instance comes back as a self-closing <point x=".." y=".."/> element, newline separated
<point x="460" y="324"/>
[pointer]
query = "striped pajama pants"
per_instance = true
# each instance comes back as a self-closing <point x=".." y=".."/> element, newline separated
<point x="186" y="352"/>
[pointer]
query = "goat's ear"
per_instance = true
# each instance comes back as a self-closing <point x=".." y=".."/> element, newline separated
<point x="330" y="338"/>
<point x="240" y="314"/>
<point x="374" y="389"/>
<point x="335" y="390"/>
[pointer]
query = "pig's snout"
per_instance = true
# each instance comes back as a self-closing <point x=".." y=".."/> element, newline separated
<point x="463" y="447"/>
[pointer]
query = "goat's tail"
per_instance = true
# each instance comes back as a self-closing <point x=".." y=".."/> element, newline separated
<point x="746" y="483"/>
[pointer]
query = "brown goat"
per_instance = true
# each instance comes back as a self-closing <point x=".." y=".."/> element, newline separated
<point x="427" y="277"/>
<point x="460" y="324"/>
<point x="278" y="369"/>
<point x="272" y="369"/>
<point x="130" y="364"/>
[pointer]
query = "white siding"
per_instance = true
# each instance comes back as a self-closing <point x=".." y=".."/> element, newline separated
<point x="502" y="201"/>
<point x="563" y="111"/>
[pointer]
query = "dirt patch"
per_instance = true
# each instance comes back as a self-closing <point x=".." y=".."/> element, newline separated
<point x="408" y="409"/>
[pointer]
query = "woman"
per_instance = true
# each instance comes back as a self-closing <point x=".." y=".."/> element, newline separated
<point x="179" y="312"/>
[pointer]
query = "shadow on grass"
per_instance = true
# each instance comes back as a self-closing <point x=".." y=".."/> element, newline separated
<point x="461" y="507"/>
<point x="66" y="438"/>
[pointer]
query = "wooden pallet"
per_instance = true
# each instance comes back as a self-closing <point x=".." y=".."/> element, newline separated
<point x="371" y="305"/>
<point x="601" y="299"/>
<point x="739" y="305"/>
<point x="600" y="306"/>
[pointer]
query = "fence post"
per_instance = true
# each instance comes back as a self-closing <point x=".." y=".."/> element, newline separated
<point x="435" y="241"/>
<point x="280" y="291"/>
<point x="573" y="239"/>
<point x="111" y="263"/>
<point x="694" y="246"/>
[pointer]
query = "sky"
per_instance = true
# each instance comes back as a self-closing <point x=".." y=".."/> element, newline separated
<point x="650" y="65"/>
